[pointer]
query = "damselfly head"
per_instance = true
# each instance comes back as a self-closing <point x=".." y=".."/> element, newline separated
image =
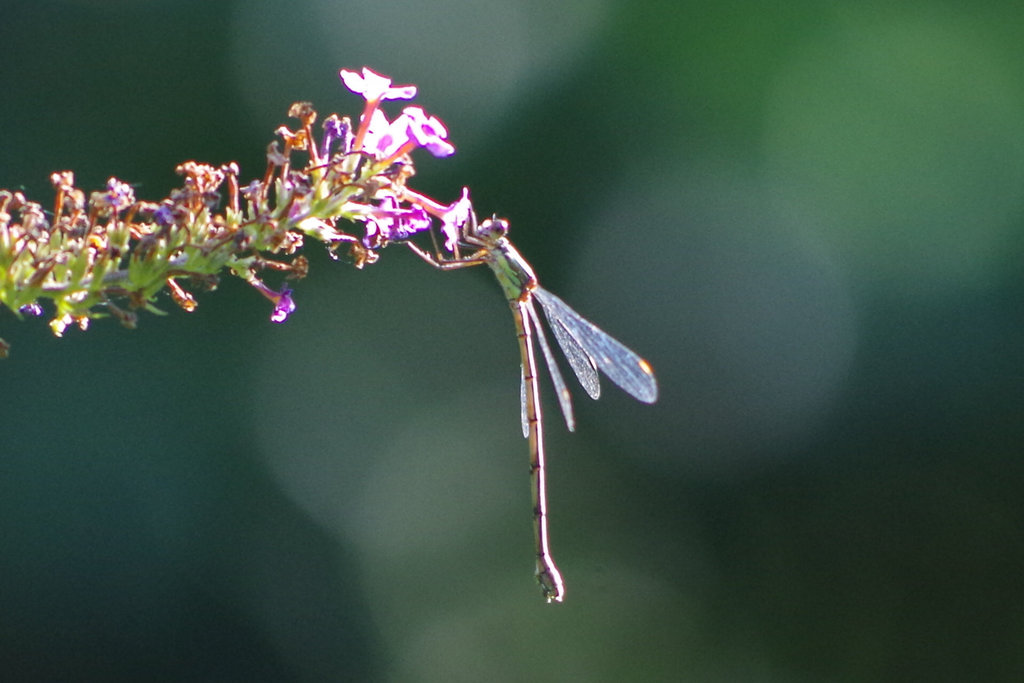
<point x="492" y="228"/>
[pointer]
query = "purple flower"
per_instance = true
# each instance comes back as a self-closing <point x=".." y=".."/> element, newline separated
<point x="164" y="215"/>
<point x="31" y="309"/>
<point x="427" y="131"/>
<point x="335" y="129"/>
<point x="119" y="195"/>
<point x="284" y="306"/>
<point x="454" y="219"/>
<point x="389" y="222"/>
<point x="382" y="139"/>
<point x="375" y="87"/>
<point x="283" y="303"/>
<point x="413" y="128"/>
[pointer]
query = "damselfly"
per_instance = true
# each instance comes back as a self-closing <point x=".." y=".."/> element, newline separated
<point x="587" y="348"/>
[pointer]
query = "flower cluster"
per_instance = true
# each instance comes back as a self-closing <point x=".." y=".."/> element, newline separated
<point x="111" y="254"/>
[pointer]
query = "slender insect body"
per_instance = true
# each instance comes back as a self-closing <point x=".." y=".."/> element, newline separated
<point x="587" y="348"/>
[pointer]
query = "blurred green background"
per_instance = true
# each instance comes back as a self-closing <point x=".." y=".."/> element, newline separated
<point x="809" y="217"/>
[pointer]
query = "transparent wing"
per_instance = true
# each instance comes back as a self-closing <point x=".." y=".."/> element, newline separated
<point x="562" y="391"/>
<point x="623" y="366"/>
<point x="579" y="360"/>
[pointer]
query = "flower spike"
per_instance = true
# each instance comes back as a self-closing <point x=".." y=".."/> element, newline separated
<point x="106" y="253"/>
